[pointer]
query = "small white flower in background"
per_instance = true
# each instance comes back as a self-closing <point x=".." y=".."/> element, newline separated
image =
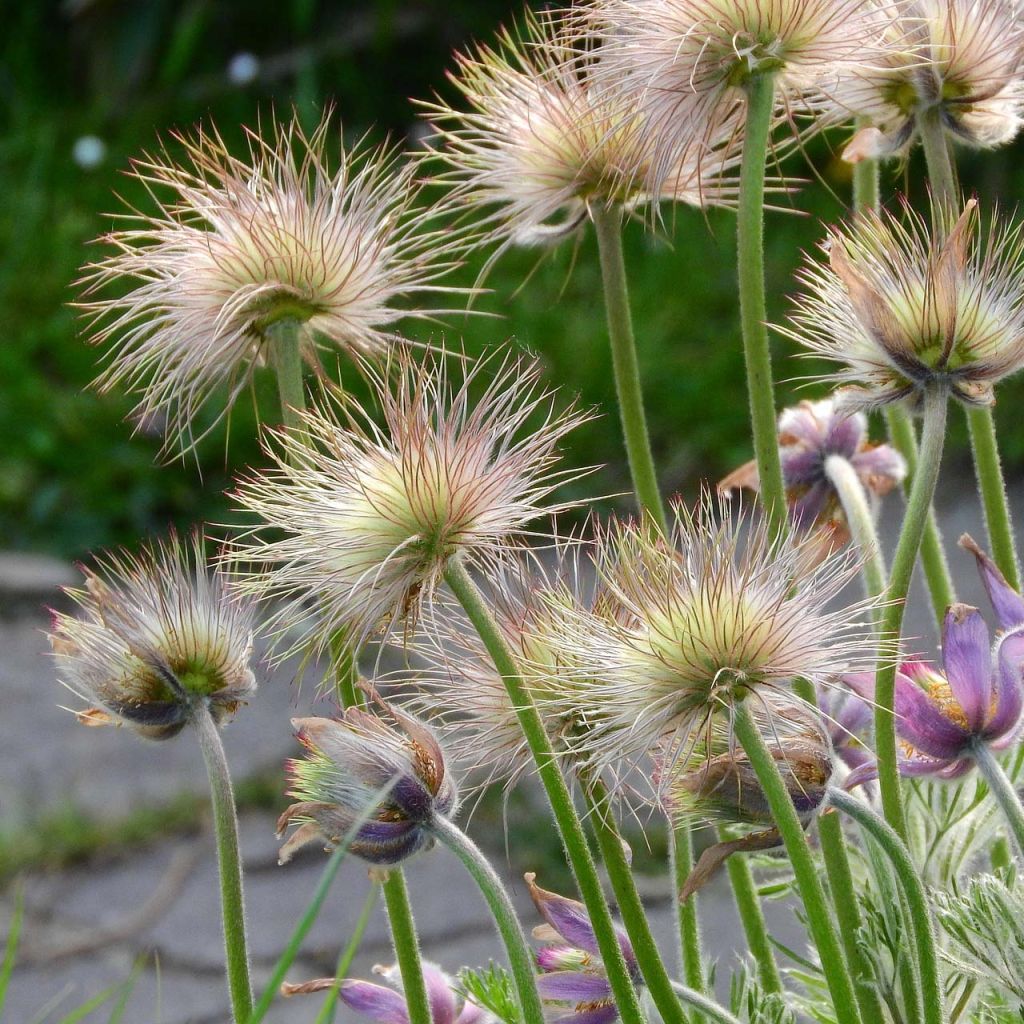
<point x="157" y="635"/>
<point x="236" y="247"/>
<point x="243" y="68"/>
<point x="89" y="151"/>
<point x="370" y="516"/>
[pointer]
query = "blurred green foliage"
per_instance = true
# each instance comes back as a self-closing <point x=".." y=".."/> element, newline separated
<point x="72" y="475"/>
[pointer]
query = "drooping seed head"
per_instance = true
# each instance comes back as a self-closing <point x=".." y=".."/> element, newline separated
<point x="236" y="247"/>
<point x="379" y="774"/>
<point x="904" y="306"/>
<point x="157" y="635"/>
<point x="371" y="515"/>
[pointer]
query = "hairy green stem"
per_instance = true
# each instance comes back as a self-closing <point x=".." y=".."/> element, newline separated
<point x="988" y="470"/>
<point x="819" y="919"/>
<point x="841" y="884"/>
<point x="608" y="227"/>
<point x="407" y="948"/>
<point x="912" y="887"/>
<point x="229" y="864"/>
<point x="753" y="315"/>
<point x="860" y="519"/>
<point x="520" y="956"/>
<point x="708" y="1007"/>
<point x="631" y="909"/>
<point x="933" y="435"/>
<point x="680" y="845"/>
<point x="933" y="553"/>
<point x="345" y="665"/>
<point x="286" y="359"/>
<point x="1003" y="790"/>
<point x="941" y="172"/>
<point x="329" y="1009"/>
<point x="865" y="180"/>
<point x="755" y="928"/>
<point x="559" y="798"/>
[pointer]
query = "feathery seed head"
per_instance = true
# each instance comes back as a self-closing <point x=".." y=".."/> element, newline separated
<point x="382" y="765"/>
<point x="236" y="246"/>
<point x="906" y="306"/>
<point x="157" y="635"/>
<point x="371" y="515"/>
<point x="720" y="611"/>
<point x="965" y="57"/>
<point x="546" y="138"/>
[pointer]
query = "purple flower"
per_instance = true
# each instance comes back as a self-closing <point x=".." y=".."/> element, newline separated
<point x="942" y="716"/>
<point x="572" y="972"/>
<point x="847" y="718"/>
<point x="809" y="435"/>
<point x="1006" y="602"/>
<point x="387" y="1005"/>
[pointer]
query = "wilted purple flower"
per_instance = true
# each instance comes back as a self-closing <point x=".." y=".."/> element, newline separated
<point x="942" y="717"/>
<point x="810" y="434"/>
<point x="388" y="1006"/>
<point x="384" y="764"/>
<point x="572" y="972"/>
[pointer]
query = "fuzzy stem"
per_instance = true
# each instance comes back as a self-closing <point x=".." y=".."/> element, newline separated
<point x="680" y="841"/>
<point x="286" y="359"/>
<point x="841" y="884"/>
<point x="941" y="173"/>
<point x="755" y="928"/>
<point x="989" y="473"/>
<point x="608" y="227"/>
<point x="708" y="1007"/>
<point x="910" y="882"/>
<point x="520" y="956"/>
<point x="569" y="826"/>
<point x="933" y="554"/>
<point x="1003" y="790"/>
<point x="865" y="181"/>
<point x="631" y="909"/>
<point x="819" y="919"/>
<point x="933" y="435"/>
<point x="854" y="500"/>
<point x="229" y="863"/>
<point x="345" y="665"/>
<point x="753" y="316"/>
<point x="407" y="948"/>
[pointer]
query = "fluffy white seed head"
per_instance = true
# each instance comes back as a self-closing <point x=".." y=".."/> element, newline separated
<point x="156" y="633"/>
<point x="362" y="519"/>
<point x="903" y="304"/>
<point x="235" y="247"/>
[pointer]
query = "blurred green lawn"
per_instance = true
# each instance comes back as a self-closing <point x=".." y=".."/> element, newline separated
<point x="72" y="476"/>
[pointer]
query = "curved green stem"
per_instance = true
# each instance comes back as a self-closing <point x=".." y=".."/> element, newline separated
<point x="680" y="840"/>
<point x="1003" y="790"/>
<point x="755" y="928"/>
<point x="819" y="918"/>
<point x="941" y="172"/>
<point x="989" y="473"/>
<point x="631" y="909"/>
<point x="854" y="500"/>
<point x="569" y="825"/>
<point x="407" y="948"/>
<point x="520" y="956"/>
<point x="708" y="1007"/>
<point x="608" y="227"/>
<point x="913" y="891"/>
<point x="753" y="316"/>
<point x="229" y="864"/>
<point x="285" y="357"/>
<point x="933" y="435"/>
<point x="841" y="884"/>
<point x="345" y="665"/>
<point x="865" y="181"/>
<point x="933" y="554"/>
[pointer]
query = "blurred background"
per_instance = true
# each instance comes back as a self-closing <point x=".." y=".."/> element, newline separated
<point x="85" y="85"/>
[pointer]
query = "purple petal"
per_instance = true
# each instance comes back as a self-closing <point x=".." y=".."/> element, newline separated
<point x="440" y="995"/>
<point x="845" y="434"/>
<point x="1006" y="602"/>
<point x="1008" y="686"/>
<point x="801" y="423"/>
<point x="866" y="772"/>
<point x="565" y="916"/>
<point x="968" y="662"/>
<point x="472" y="1014"/>
<point x="606" y="1014"/>
<point x="862" y="684"/>
<point x="916" y="767"/>
<point x="880" y="469"/>
<point x="955" y="770"/>
<point x="806" y="509"/>
<point x="573" y="987"/>
<point x="801" y="466"/>
<point x="384" y="1005"/>
<point x="920" y="721"/>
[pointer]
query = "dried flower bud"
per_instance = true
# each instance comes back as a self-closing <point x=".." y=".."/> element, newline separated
<point x="905" y="307"/>
<point x="157" y="636"/>
<point x="382" y="765"/>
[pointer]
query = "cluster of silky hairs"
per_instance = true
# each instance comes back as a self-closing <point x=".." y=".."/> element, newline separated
<point x="710" y="663"/>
